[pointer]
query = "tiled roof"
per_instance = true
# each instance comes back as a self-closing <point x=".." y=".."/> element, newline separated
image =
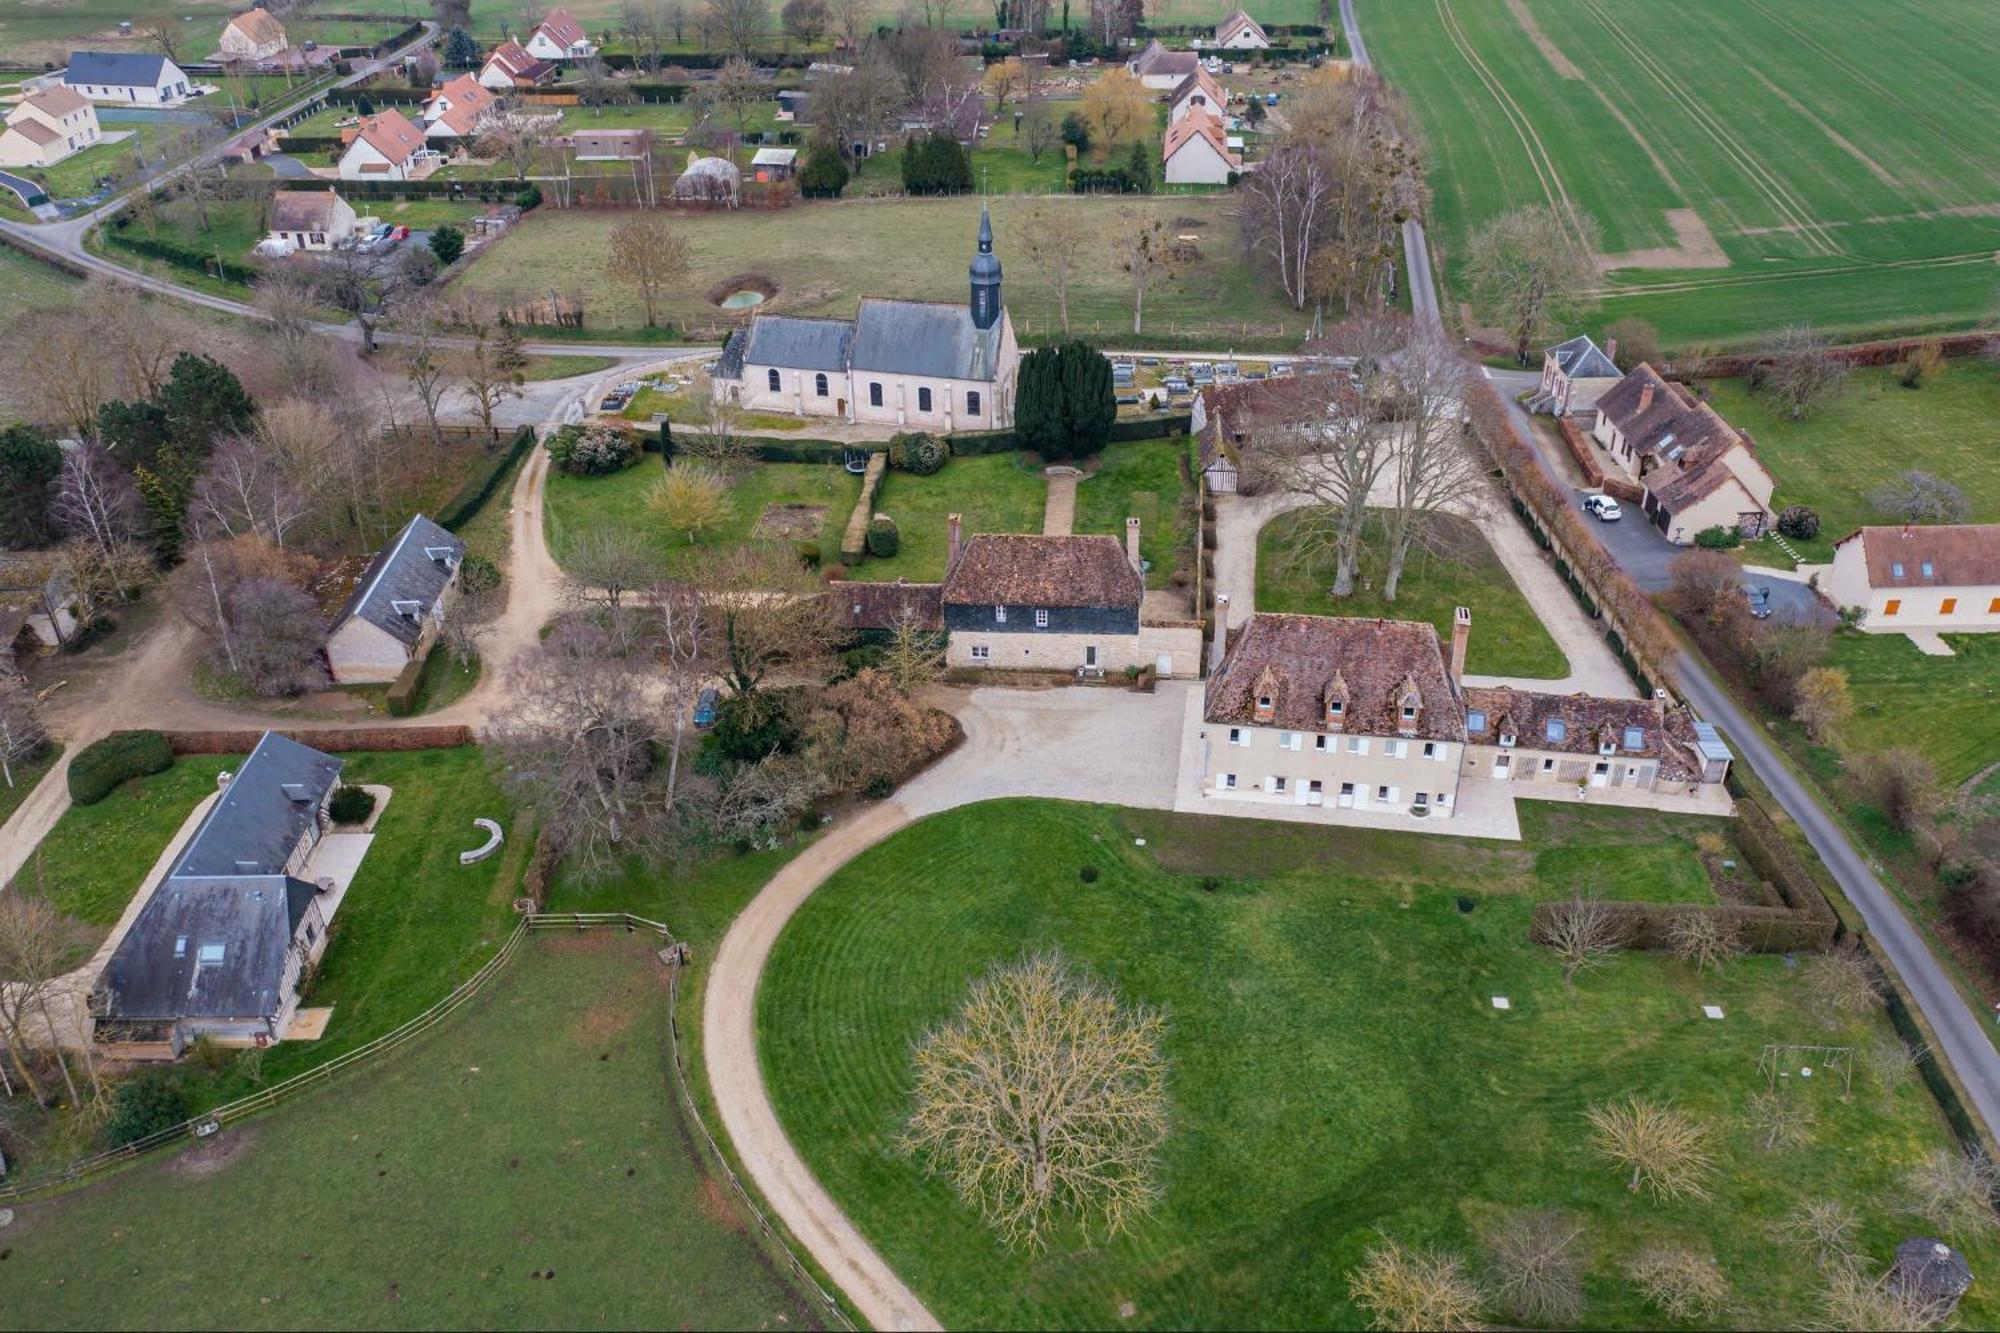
<point x="391" y="134"/>
<point x="1960" y="555"/>
<point x="1369" y="665"/>
<point x="1015" y="569"/>
<point x="116" y="69"/>
<point x="881" y="606"/>
<point x="159" y="970"/>
<point x="797" y="343"/>
<point x="1229" y="27"/>
<point x="561" y="29"/>
<point x="1582" y="359"/>
<point x="414" y="569"/>
<point x="1671" y="423"/>
<point x="34" y="129"/>
<point x="468" y="99"/>
<point x="520" y="66"/>
<point x="57" y="101"/>
<point x="302" y="210"/>
<point x="1198" y="124"/>
<point x="258" y="26"/>
<point x="260" y="816"/>
<point x="1587" y="723"/>
<point x="1199" y="81"/>
<point x="1158" y="60"/>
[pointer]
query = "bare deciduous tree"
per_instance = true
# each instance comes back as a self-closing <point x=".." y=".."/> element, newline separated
<point x="851" y="17"/>
<point x="1780" y="1120"/>
<point x="1953" y="1190"/>
<point x="1666" y="1152"/>
<point x="245" y="490"/>
<point x="73" y="377"/>
<point x="1799" y="371"/>
<point x="1429" y="469"/>
<point x="577" y="744"/>
<point x="278" y="637"/>
<point x="93" y="499"/>
<point x="1821" y="701"/>
<point x="645" y="254"/>
<point x="513" y="136"/>
<point x="855" y="107"/>
<point x="1583" y="933"/>
<point x="597" y="87"/>
<point x="1146" y="254"/>
<point x="609" y="562"/>
<point x="1680" y="1282"/>
<point x="804" y="20"/>
<point x="647" y="23"/>
<point x="691" y="498"/>
<point x="1116" y="108"/>
<point x="913" y="657"/>
<point x="1852" y="1301"/>
<point x="1704" y="938"/>
<point x="1414" y="1287"/>
<point x="1532" y="270"/>
<point x="1843" y="984"/>
<point x="1039" y="129"/>
<point x="1892" y="1062"/>
<point x="22" y="735"/>
<point x="762" y="801"/>
<point x="1902" y="782"/>
<point x="422" y="357"/>
<point x="740" y="24"/>
<point x="681" y="656"/>
<point x="480" y="363"/>
<point x="1920" y="497"/>
<point x="1045" y="1098"/>
<point x="37" y="947"/>
<point x="1054" y="244"/>
<point x="766" y="609"/>
<point x="1827" y="1230"/>
<point x="1537" y="1266"/>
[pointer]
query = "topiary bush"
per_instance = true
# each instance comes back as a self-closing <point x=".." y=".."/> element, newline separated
<point x="919" y="453"/>
<point x="1799" y="522"/>
<point x="351" y="804"/>
<point x="100" y="767"/>
<point x="1718" y="538"/>
<point x="884" y="540"/>
<point x="478" y="574"/>
<point x="145" y="1105"/>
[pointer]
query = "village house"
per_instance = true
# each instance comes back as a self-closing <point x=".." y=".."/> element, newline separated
<point x="1348" y="713"/>
<point x="398" y="607"/>
<point x="511" y="66"/>
<point x="1160" y="69"/>
<point x="1943" y="578"/>
<point x="1197" y="152"/>
<point x="47" y="126"/>
<point x="137" y="77"/>
<point x="1198" y="89"/>
<point x="918" y="364"/>
<point x="456" y="110"/>
<point x="386" y="146"/>
<point x="560" y="37"/>
<point x="1575" y="374"/>
<point x="1240" y="32"/>
<point x="252" y="35"/>
<point x="1026" y="602"/>
<point x="1697" y="471"/>
<point x="311" y="219"/>
<point x="873" y="611"/>
<point x="218" y="949"/>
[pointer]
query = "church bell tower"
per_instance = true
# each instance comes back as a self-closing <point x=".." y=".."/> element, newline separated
<point x="985" y="277"/>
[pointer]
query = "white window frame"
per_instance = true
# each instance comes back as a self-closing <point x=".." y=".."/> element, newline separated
<point x="1357" y="745"/>
<point x="1548" y="764"/>
<point x="1239" y="737"/>
<point x="999" y="615"/>
<point x="1041" y="617"/>
<point x="981" y="652"/>
<point x="1291" y="740"/>
<point x="1323" y="744"/>
<point x="1227" y="781"/>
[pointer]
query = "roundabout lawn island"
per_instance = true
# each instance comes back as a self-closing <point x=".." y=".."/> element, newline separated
<point x="1336" y="1066"/>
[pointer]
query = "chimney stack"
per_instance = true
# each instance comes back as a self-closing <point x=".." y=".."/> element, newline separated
<point x="952" y="524"/>
<point x="1132" y="546"/>
<point x="1221" y="643"/>
<point x="1461" y="634"/>
<point x="1645" y="398"/>
<point x="1611" y="350"/>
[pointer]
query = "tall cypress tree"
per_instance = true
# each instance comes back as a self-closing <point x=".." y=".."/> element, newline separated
<point x="1064" y="405"/>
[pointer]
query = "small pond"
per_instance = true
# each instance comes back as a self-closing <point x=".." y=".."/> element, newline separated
<point x="742" y="300"/>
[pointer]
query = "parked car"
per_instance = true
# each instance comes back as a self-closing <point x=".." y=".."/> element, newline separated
<point x="1604" y="507"/>
<point x="1760" y="600"/>
<point x="706" y="708"/>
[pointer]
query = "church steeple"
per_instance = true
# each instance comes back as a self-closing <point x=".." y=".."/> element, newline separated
<point x="985" y="277"/>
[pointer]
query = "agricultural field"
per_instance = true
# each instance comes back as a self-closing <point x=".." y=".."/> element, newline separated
<point x="824" y="257"/>
<point x="1336" y="1068"/>
<point x="1860" y="439"/>
<point x="1508" y="637"/>
<point x="35" y="32"/>
<point x="526" y="1165"/>
<point x="1750" y="163"/>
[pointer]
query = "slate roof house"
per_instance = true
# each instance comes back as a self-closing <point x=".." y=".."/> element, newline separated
<point x="1160" y="69"/>
<point x="1575" y="374"/>
<point x="218" y="949"/>
<point x="137" y="77"/>
<point x="396" y="610"/>
<point x="311" y="219"/>
<point x="1022" y="602"/>
<point x="1939" y="578"/>
<point x="1348" y="713"/>
<point x="910" y="363"/>
<point x="1697" y="470"/>
<point x="510" y="66"/>
<point x="47" y="126"/>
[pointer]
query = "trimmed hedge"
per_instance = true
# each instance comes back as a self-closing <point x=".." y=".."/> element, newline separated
<point x="103" y="765"/>
<point x="402" y="697"/>
<point x="183" y="256"/>
<point x="333" y="741"/>
<point x="964" y="444"/>
<point x="474" y="494"/>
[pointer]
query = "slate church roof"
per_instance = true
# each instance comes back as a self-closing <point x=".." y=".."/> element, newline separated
<point x="404" y="581"/>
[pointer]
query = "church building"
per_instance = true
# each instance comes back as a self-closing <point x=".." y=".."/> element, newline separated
<point x="918" y="365"/>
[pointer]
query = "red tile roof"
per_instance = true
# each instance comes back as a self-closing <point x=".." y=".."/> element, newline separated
<point x="1014" y="569"/>
<point x="1198" y="123"/>
<point x="880" y="606"/>
<point x="1960" y="555"/>
<point x="391" y="134"/>
<point x="561" y="29"/>
<point x="1298" y="662"/>
<point x="469" y="101"/>
<point x="1588" y="723"/>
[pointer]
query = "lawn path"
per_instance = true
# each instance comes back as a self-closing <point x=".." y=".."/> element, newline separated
<point x="1059" y="511"/>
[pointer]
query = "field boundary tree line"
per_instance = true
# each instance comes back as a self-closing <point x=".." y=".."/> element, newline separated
<point x="1880" y="352"/>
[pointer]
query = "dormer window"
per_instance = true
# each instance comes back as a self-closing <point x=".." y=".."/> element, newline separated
<point x="1335" y="708"/>
<point x="1506" y="740"/>
<point x="1607" y="745"/>
<point x="1263" y="703"/>
<point x="408" y="609"/>
<point x="1557" y="729"/>
<point x="999" y="615"/>
<point x="1267" y="708"/>
<point x="443" y="555"/>
<point x="180" y="946"/>
<point x="1409" y="711"/>
<point x="1895" y="569"/>
<point x="1635" y="738"/>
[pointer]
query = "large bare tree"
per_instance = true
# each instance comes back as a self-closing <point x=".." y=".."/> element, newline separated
<point x="765" y="610"/>
<point x="1053" y="241"/>
<point x="1043" y="1099"/>
<point x="245" y="489"/>
<point x="1666" y="1150"/>
<point x="1414" y="1287"/>
<point x="647" y="23"/>
<point x="1146" y="254"/>
<point x="1430" y="470"/>
<point x="1584" y="933"/>
<point x="22" y="735"/>
<point x="1532" y="270"/>
<point x="740" y="24"/>
<point x="93" y="499"/>
<point x="37" y="946"/>
<point x="647" y="255"/>
<point x="1798" y="370"/>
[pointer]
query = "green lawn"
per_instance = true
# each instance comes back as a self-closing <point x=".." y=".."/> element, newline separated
<point x="563" y="367"/>
<point x="76" y="176"/>
<point x="32" y="32"/>
<point x="1863" y="438"/>
<point x="1508" y="639"/>
<point x="1947" y="707"/>
<point x="1836" y="192"/>
<point x="1142" y="479"/>
<point x="26" y="775"/>
<point x="1335" y="1069"/>
<point x="994" y="493"/>
<point x="579" y="504"/>
<point x="537" y="1132"/>
<point x="824" y="257"/>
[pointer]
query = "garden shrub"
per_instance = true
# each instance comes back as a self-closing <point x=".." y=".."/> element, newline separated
<point x="1718" y="538"/>
<point x="100" y="767"/>
<point x="809" y="554"/>
<point x="593" y="451"/>
<point x="1088" y="874"/>
<point x="351" y="804"/>
<point x="918" y="453"/>
<point x="145" y="1105"/>
<point x="477" y="574"/>
<point x="1799" y="522"/>
<point x="884" y="540"/>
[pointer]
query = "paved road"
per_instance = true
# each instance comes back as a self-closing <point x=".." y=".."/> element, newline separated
<point x="1416" y="246"/>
